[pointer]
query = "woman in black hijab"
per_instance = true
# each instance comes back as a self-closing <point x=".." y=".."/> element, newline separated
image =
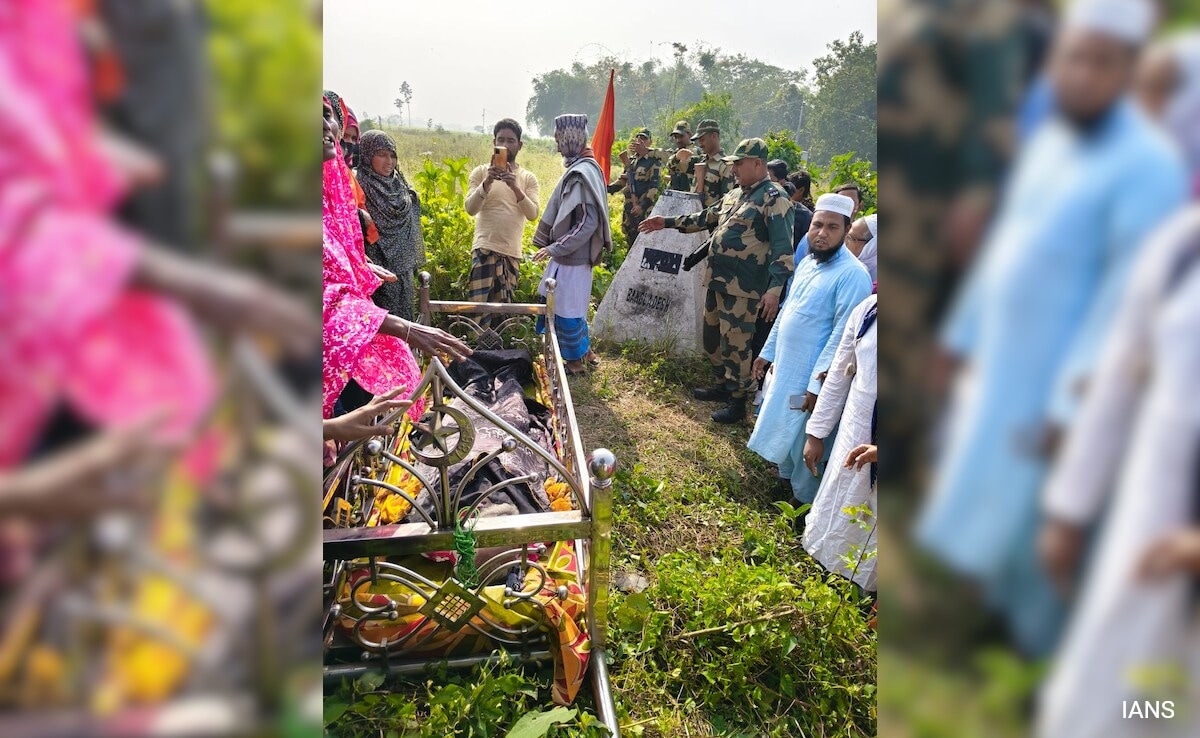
<point x="396" y="210"/>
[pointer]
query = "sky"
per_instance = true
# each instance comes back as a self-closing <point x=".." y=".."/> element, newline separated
<point x="471" y="62"/>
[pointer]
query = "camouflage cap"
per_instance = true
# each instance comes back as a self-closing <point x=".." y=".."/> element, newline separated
<point x="642" y="132"/>
<point x="706" y="126"/>
<point x="749" y="148"/>
<point x="682" y="126"/>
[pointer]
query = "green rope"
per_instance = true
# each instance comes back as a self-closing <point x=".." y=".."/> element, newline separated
<point x="464" y="545"/>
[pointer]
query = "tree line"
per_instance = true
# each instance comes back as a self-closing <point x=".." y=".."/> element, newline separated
<point x="828" y="109"/>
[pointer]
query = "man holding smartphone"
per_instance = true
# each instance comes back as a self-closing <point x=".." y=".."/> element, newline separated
<point x="712" y="176"/>
<point x="502" y="196"/>
<point x="681" y="166"/>
<point x="641" y="182"/>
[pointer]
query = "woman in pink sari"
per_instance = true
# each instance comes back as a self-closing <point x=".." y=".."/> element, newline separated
<point x="362" y="342"/>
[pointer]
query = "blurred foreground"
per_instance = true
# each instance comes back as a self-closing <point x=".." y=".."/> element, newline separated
<point x="159" y="446"/>
<point x="1039" y="353"/>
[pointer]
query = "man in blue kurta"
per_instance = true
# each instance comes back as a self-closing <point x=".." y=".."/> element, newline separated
<point x="1092" y="182"/>
<point x="827" y="285"/>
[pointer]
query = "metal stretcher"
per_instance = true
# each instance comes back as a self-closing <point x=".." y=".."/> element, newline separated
<point x="358" y="557"/>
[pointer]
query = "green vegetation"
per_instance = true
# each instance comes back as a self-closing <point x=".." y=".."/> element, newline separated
<point x="841" y="112"/>
<point x="946" y="663"/>
<point x="477" y="704"/>
<point x="270" y="54"/>
<point x="845" y="168"/>
<point x="739" y="633"/>
<point x="648" y="93"/>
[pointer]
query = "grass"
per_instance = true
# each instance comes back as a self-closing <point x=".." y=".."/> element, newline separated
<point x="946" y="664"/>
<point x="692" y="501"/>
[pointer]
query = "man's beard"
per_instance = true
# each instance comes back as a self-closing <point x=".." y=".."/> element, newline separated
<point x="823" y="256"/>
<point x="1088" y="123"/>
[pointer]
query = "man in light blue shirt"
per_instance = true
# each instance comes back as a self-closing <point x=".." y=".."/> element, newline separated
<point x="827" y="285"/>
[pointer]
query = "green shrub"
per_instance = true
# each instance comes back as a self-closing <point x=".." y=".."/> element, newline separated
<point x="781" y="146"/>
<point x="490" y="700"/>
<point x="448" y="230"/>
<point x="842" y="169"/>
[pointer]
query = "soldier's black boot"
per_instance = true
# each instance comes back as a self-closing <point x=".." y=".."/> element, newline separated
<point x="716" y="393"/>
<point x="734" y="412"/>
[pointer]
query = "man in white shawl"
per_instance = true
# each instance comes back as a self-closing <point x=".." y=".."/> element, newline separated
<point x="840" y="532"/>
<point x="573" y="232"/>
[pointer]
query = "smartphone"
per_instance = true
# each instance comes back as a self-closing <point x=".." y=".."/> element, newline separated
<point x="500" y="157"/>
<point x="796" y="402"/>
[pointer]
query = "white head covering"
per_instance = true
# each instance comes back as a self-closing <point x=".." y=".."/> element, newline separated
<point x="1131" y="21"/>
<point x="870" y="253"/>
<point x="1182" y="118"/>
<point x="835" y="203"/>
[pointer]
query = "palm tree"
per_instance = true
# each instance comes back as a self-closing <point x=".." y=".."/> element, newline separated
<point x="406" y="93"/>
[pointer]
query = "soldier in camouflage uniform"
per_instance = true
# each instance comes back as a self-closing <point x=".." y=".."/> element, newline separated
<point x="718" y="175"/>
<point x="749" y="262"/>
<point x="681" y="165"/>
<point x="640" y="182"/>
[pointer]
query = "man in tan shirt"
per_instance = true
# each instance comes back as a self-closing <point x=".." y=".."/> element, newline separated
<point x="501" y="201"/>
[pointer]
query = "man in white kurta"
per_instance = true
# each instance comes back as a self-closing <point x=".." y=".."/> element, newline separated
<point x="1139" y="428"/>
<point x="841" y="541"/>
<point x="825" y="288"/>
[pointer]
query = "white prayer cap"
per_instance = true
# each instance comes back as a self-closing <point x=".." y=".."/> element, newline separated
<point x="1131" y="21"/>
<point x="872" y="224"/>
<point x="835" y="203"/>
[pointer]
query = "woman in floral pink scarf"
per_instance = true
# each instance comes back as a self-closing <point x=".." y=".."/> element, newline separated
<point x="361" y="340"/>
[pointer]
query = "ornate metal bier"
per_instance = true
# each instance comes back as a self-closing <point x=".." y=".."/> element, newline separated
<point x="517" y="543"/>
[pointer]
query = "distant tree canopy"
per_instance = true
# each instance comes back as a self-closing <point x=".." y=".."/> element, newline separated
<point x="748" y="97"/>
<point x="652" y="94"/>
<point x="710" y="107"/>
<point x="841" y="114"/>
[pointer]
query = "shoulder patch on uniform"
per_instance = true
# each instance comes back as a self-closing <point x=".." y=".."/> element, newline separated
<point x="772" y="193"/>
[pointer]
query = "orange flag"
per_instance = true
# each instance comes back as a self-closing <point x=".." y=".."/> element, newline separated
<point x="602" y="139"/>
